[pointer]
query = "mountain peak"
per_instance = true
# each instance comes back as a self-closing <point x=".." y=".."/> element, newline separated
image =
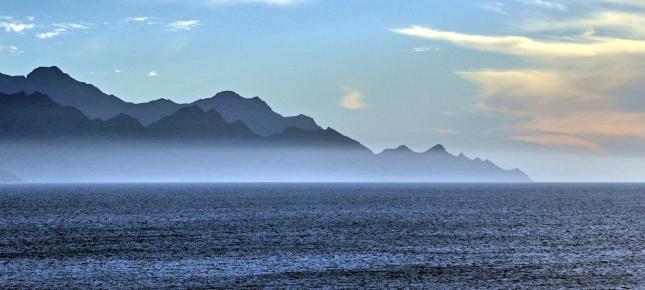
<point x="437" y="149"/>
<point x="226" y="100"/>
<point x="227" y="95"/>
<point x="43" y="72"/>
<point x="403" y="148"/>
<point x="161" y="101"/>
<point x="398" y="150"/>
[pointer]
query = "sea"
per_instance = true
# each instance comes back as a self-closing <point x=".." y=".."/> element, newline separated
<point x="312" y="235"/>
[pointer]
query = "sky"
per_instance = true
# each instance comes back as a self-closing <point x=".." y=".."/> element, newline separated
<point x="554" y="88"/>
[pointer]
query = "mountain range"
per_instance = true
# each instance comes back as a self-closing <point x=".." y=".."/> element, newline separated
<point x="219" y="138"/>
<point x="94" y="103"/>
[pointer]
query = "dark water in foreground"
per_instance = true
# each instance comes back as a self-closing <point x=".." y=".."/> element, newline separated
<point x="322" y="235"/>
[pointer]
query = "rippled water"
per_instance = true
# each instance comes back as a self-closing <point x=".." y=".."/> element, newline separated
<point x="323" y="235"/>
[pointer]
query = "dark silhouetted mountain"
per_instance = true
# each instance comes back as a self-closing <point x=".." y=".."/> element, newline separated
<point x="94" y="103"/>
<point x="8" y="177"/>
<point x="255" y="113"/>
<point x="192" y="122"/>
<point x="37" y="116"/>
<point x="65" y="91"/>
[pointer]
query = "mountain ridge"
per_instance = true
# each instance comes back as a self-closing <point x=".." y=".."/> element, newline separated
<point x="37" y="116"/>
<point x="31" y="117"/>
<point x="67" y="91"/>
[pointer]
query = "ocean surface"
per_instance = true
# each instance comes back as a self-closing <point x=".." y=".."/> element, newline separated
<point x="322" y="236"/>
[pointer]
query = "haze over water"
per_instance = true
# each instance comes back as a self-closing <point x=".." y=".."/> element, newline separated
<point x="317" y="235"/>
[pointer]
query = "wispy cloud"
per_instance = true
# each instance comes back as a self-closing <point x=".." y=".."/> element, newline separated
<point x="627" y="24"/>
<point x="72" y="26"/>
<point x="140" y="19"/>
<point x="50" y="34"/>
<point x="627" y="3"/>
<point x="496" y="7"/>
<point x="135" y="19"/>
<point x="555" y="140"/>
<point x="16" y="26"/>
<point x="525" y="46"/>
<point x="544" y="4"/>
<point x="61" y="28"/>
<point x="183" y="25"/>
<point x="9" y="49"/>
<point x="352" y="99"/>
<point x="425" y="48"/>
<point x="282" y="3"/>
<point x="152" y="74"/>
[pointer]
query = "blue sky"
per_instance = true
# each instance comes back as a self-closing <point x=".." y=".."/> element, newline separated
<point x="552" y="87"/>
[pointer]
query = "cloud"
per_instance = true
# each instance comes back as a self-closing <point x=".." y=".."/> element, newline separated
<point x="522" y="92"/>
<point x="624" y="23"/>
<point x="60" y="28"/>
<point x="152" y="74"/>
<point x="496" y="7"/>
<point x="72" y="26"/>
<point x="9" y="49"/>
<point x="425" y="48"/>
<point x="183" y="25"/>
<point x="632" y="3"/>
<point x="50" y="34"/>
<point x="591" y="46"/>
<point x="581" y="91"/>
<point x="282" y="3"/>
<point x="16" y="26"/>
<point x="544" y="4"/>
<point x="135" y="19"/>
<point x="593" y="124"/>
<point x="598" y="97"/>
<point x="580" y="99"/>
<point x="353" y="99"/>
<point x="562" y="141"/>
<point x="140" y="19"/>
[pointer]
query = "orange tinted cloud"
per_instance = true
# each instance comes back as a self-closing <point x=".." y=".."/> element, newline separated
<point x="562" y="141"/>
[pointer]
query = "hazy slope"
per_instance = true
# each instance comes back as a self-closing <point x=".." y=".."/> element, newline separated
<point x="7" y="177"/>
